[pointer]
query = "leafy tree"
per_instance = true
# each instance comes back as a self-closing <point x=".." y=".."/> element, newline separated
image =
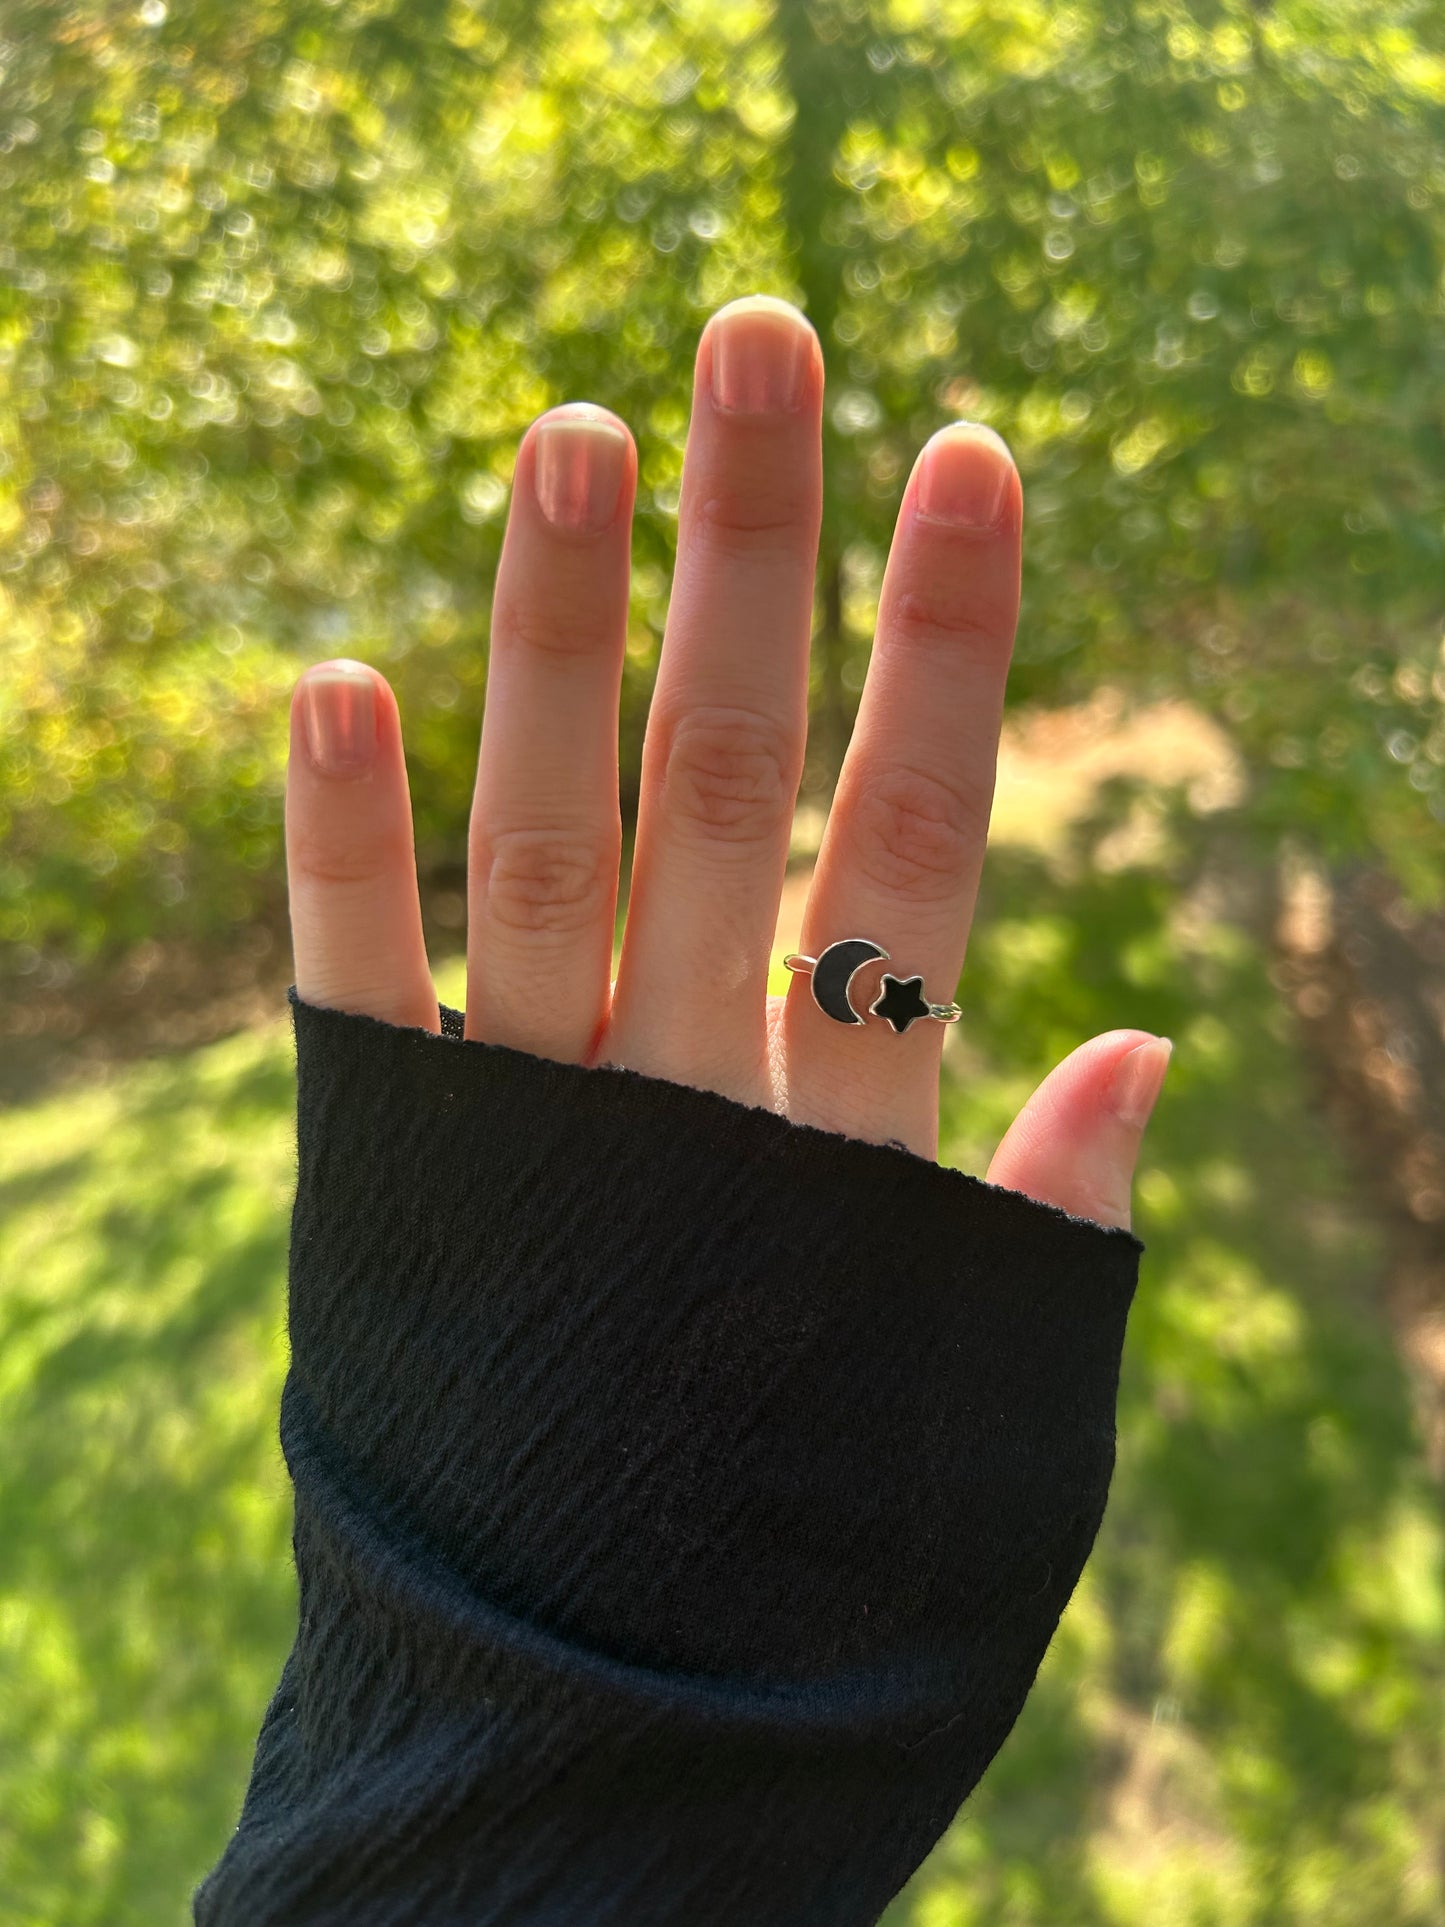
<point x="281" y="286"/>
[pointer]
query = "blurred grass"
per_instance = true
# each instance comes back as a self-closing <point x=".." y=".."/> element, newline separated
<point x="1240" y="1721"/>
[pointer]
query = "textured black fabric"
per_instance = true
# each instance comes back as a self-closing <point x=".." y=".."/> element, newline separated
<point x="685" y="1497"/>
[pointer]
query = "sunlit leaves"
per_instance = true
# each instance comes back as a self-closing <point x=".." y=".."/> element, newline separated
<point x="280" y="288"/>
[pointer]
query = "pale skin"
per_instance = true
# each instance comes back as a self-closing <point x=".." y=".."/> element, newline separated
<point x="905" y="838"/>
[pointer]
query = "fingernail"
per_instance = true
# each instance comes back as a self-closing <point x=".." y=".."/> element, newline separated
<point x="338" y="708"/>
<point x="760" y="353"/>
<point x="963" y="477"/>
<point x="1138" y="1079"/>
<point x="579" y="472"/>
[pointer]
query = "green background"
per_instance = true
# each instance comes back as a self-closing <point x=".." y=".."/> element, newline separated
<point x="280" y="288"/>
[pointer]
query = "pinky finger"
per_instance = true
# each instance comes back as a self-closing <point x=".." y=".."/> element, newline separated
<point x="351" y="870"/>
<point x="1076" y="1141"/>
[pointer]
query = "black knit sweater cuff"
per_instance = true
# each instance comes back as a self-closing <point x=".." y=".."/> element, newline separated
<point x="685" y="1497"/>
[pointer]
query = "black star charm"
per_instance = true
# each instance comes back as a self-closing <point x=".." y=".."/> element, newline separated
<point x="902" y="1001"/>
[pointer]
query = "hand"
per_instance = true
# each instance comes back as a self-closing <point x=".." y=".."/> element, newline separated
<point x="904" y="844"/>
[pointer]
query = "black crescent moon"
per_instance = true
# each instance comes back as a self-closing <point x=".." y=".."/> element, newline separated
<point x="833" y="973"/>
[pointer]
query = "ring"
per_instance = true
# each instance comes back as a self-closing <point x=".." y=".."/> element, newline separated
<point x="901" y="1000"/>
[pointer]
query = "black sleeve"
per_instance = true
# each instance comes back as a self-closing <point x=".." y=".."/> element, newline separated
<point x="685" y="1497"/>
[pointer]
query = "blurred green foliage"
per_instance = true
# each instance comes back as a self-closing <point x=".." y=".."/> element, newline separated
<point x="1242" y="1720"/>
<point x="282" y="284"/>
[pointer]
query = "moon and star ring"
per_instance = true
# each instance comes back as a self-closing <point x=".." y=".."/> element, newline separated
<point x="900" y="1000"/>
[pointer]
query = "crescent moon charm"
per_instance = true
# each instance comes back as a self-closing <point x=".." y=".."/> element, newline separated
<point x="833" y="976"/>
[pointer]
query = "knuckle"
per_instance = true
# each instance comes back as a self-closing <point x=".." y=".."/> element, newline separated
<point x="914" y="835"/>
<point x="754" y="518"/>
<point x="347" y="862"/>
<point x="940" y="615"/>
<point x="732" y="775"/>
<point x="554" y="624"/>
<point x="549" y="882"/>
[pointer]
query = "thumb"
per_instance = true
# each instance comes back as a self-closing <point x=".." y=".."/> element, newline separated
<point x="1076" y="1141"/>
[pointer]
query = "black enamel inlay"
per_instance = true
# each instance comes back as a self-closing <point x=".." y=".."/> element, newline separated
<point x="833" y="972"/>
<point x="902" y="1001"/>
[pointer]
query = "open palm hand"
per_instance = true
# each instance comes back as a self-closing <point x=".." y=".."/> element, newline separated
<point x="903" y="849"/>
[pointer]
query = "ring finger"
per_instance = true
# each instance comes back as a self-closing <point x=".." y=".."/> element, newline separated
<point x="904" y="844"/>
<point x="546" y="832"/>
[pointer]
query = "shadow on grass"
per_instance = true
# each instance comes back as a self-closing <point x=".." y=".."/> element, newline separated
<point x="1240" y="1720"/>
<point x="147" y="1593"/>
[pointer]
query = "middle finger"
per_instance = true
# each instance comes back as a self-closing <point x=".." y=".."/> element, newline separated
<point x="726" y="732"/>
